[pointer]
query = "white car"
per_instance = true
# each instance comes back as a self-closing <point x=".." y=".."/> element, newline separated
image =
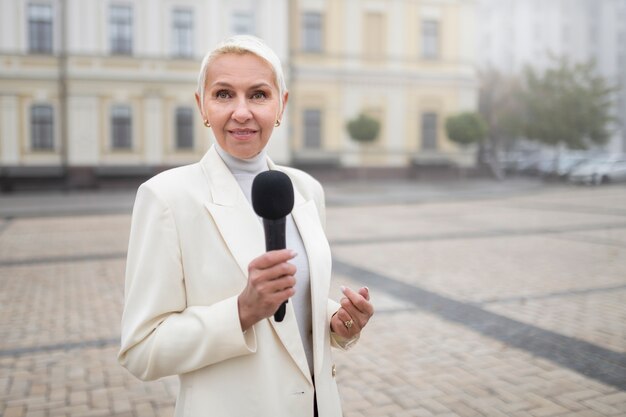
<point x="600" y="171"/>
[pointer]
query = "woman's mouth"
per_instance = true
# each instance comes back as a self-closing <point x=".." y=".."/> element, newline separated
<point x="242" y="134"/>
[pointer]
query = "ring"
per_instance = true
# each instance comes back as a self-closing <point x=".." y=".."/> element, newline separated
<point x="348" y="323"/>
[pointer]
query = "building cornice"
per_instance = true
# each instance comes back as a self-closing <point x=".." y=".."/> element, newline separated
<point x="400" y="77"/>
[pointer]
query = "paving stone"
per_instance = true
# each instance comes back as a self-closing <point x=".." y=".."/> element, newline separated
<point x="14" y="411"/>
<point x="58" y="352"/>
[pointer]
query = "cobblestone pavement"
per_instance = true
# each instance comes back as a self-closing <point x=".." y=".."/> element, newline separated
<point x="498" y="305"/>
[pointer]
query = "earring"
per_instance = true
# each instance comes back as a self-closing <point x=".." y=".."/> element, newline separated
<point x="206" y="123"/>
<point x="277" y="123"/>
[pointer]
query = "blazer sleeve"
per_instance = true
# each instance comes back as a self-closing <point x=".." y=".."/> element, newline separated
<point x="336" y="340"/>
<point x="161" y="335"/>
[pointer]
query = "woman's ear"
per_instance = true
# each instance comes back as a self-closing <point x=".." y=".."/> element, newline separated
<point x="282" y="110"/>
<point x="199" y="103"/>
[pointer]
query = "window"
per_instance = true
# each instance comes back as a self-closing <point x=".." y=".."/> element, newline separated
<point x="430" y="39"/>
<point x="429" y="131"/>
<point x="312" y="128"/>
<point x="374" y="35"/>
<point x="121" y="29"/>
<point x="41" y="127"/>
<point x="182" y="33"/>
<point x="243" y="23"/>
<point x="184" y="128"/>
<point x="312" y="32"/>
<point x="121" y="129"/>
<point x="40" y="28"/>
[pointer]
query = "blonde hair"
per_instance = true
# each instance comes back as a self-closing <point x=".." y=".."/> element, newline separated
<point x="242" y="44"/>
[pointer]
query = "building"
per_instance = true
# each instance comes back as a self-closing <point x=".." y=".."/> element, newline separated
<point x="409" y="64"/>
<point x="93" y="89"/>
<point x="515" y="33"/>
<point x="98" y="90"/>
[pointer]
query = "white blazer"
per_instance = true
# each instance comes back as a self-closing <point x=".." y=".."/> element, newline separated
<point x="192" y="237"/>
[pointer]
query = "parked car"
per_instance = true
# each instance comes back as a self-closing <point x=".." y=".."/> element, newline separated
<point x="600" y="171"/>
<point x="529" y="164"/>
<point x="568" y="164"/>
<point x="562" y="165"/>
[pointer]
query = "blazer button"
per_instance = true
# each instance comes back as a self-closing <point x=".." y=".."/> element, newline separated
<point x="334" y="371"/>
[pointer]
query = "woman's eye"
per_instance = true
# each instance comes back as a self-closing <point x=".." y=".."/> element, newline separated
<point x="222" y="94"/>
<point x="259" y="95"/>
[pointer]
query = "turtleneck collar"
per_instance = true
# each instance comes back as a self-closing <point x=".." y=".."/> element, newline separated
<point x="252" y="166"/>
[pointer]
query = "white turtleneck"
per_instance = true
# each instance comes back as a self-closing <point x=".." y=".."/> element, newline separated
<point x="244" y="171"/>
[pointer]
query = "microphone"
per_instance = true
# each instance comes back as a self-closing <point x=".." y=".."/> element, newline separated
<point x="272" y="199"/>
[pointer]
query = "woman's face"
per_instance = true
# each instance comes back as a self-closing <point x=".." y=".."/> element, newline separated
<point x="241" y="101"/>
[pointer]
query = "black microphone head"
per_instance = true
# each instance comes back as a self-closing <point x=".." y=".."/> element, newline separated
<point x="272" y="195"/>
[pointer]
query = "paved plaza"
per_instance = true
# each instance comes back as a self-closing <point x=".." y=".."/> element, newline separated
<point x="491" y="301"/>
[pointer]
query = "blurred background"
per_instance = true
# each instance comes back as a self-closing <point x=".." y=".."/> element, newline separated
<point x="100" y="93"/>
<point x="472" y="155"/>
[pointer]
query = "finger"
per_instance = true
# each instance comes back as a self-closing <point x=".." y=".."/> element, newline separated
<point x="277" y="271"/>
<point x="345" y="316"/>
<point x="365" y="293"/>
<point x="284" y="294"/>
<point x="339" y="326"/>
<point x="359" y="302"/>
<point x="271" y="258"/>
<point x="285" y="282"/>
<point x="354" y="313"/>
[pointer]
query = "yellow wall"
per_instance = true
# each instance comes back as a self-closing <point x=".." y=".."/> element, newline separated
<point x="400" y="86"/>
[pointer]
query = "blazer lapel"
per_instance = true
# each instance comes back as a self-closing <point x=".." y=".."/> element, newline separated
<point x="243" y="233"/>
<point x="289" y="335"/>
<point x="307" y="219"/>
<point x="238" y="224"/>
<point x="287" y="330"/>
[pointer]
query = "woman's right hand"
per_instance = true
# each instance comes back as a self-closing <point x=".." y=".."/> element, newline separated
<point x="270" y="282"/>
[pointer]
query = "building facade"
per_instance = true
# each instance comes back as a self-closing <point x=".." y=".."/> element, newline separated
<point x="516" y="33"/>
<point x="97" y="89"/>
<point x="408" y="64"/>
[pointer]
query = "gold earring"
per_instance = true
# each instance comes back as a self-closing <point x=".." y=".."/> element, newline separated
<point x="277" y="123"/>
<point x="206" y="123"/>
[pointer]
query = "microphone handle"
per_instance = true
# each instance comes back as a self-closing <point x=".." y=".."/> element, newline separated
<point x="275" y="239"/>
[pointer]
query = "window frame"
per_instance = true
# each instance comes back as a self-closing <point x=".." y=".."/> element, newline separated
<point x="42" y="127"/>
<point x="121" y="29"/>
<point x="121" y="127"/>
<point x="426" y="129"/>
<point x="307" y="141"/>
<point x="431" y="39"/>
<point x="183" y="129"/>
<point x="182" y="35"/>
<point x="238" y="17"/>
<point x="40" y="30"/>
<point x="312" y="34"/>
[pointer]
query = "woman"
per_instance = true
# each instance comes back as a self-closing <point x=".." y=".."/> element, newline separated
<point x="201" y="292"/>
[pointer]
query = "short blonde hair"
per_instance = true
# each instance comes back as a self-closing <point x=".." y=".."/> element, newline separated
<point x="242" y="44"/>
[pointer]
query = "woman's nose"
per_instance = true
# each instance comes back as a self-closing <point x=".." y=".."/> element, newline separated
<point x="241" y="113"/>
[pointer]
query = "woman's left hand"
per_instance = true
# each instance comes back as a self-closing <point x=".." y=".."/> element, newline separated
<point x="354" y="313"/>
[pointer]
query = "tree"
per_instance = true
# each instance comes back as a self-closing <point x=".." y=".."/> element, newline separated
<point x="363" y="129"/>
<point x="501" y="106"/>
<point x="466" y="128"/>
<point x="568" y="105"/>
